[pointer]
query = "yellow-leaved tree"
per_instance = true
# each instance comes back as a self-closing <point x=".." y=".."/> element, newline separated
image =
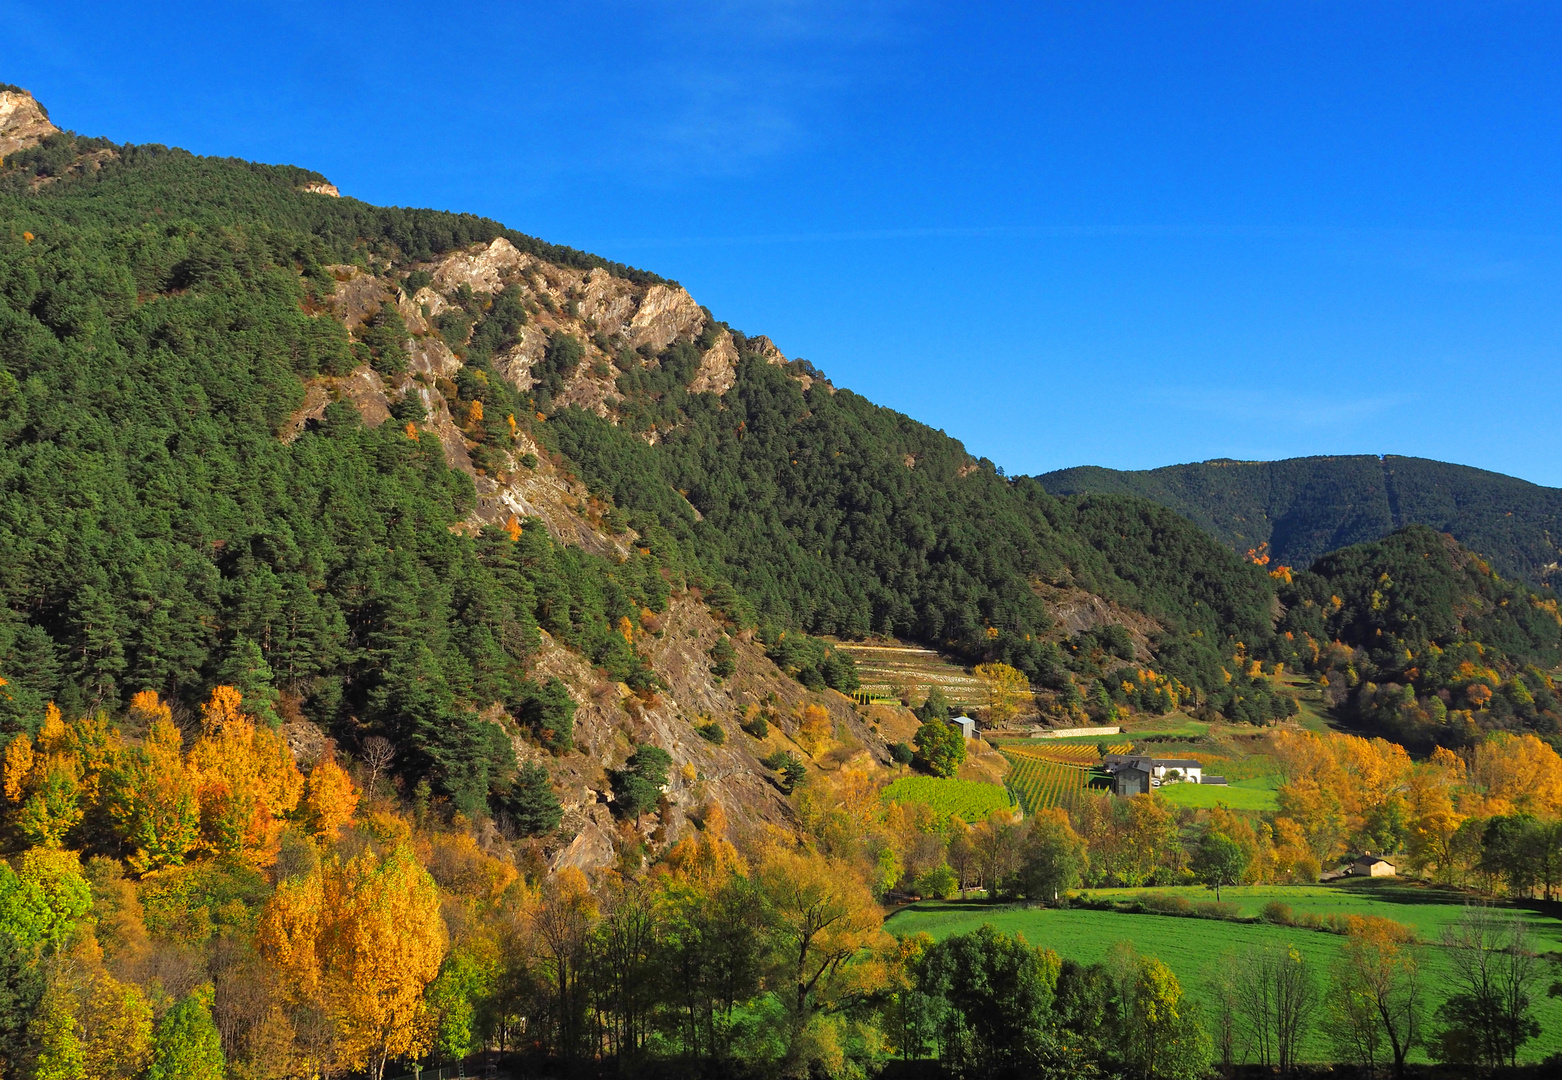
<point x="152" y="800"/>
<point x="1007" y="690"/>
<point x="248" y="781"/>
<point x="42" y="782"/>
<point x="329" y="799"/>
<point x="362" y="939"/>
<point x="823" y="920"/>
<point x="815" y="730"/>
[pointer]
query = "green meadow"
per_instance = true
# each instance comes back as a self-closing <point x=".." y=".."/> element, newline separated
<point x="1255" y="794"/>
<point x="1196" y="949"/>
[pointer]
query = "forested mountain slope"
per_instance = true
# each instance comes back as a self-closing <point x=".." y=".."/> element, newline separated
<point x="411" y="474"/>
<point x="168" y="324"/>
<point x="207" y="477"/>
<point x="1305" y="507"/>
<point x="1417" y="637"/>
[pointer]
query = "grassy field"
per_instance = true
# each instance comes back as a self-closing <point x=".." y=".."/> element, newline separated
<point x="1172" y="725"/>
<point x="971" y="800"/>
<point x="1196" y="949"/>
<point x="1238" y="795"/>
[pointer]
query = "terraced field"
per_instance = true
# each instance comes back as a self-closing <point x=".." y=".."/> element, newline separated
<point x="892" y="669"/>
<point x="1085" y="754"/>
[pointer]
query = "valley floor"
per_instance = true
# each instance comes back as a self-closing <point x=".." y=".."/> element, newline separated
<point x="1197" y="950"/>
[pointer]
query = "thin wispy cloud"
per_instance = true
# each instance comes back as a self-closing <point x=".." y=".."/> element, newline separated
<point x="725" y="88"/>
<point x="1278" y="408"/>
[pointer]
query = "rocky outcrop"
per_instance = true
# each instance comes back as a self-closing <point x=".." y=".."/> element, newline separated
<point x="358" y="296"/>
<point x="718" y="367"/>
<point x="430" y="356"/>
<point x="766" y="350"/>
<point x="321" y="187"/>
<point x="665" y="314"/>
<point x="482" y="270"/>
<point x="23" y="122"/>
<point x="361" y="386"/>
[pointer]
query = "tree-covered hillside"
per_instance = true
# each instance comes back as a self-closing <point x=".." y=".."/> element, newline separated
<point x="158" y="329"/>
<point x="1418" y="637"/>
<point x="833" y="514"/>
<point x="157" y="534"/>
<point x="1305" y="507"/>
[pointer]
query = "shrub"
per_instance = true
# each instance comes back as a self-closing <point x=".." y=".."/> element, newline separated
<point x="940" y="748"/>
<point x="711" y="732"/>
<point x="939" y="882"/>
<point x="901" y="752"/>
<point x="1278" y="913"/>
<point x="638" y="785"/>
<point x="1166" y="903"/>
<point x="724" y="658"/>
<point x="754" y="723"/>
<point x="790" y="766"/>
<point x="1217" y="909"/>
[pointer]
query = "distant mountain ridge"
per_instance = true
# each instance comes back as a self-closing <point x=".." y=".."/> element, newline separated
<point x="1306" y="507"/>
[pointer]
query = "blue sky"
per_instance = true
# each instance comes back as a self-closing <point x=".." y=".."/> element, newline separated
<point x="1084" y="233"/>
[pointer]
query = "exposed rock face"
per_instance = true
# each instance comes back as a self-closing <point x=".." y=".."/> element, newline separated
<point x="23" y="122"/>
<point x="482" y="270"/>
<point x="358" y="295"/>
<point x="664" y="314"/>
<point x="718" y="367"/>
<point x="610" y="721"/>
<point x="321" y="188"/>
<point x="767" y="350"/>
<point x="1077" y="610"/>
<point x="618" y="323"/>
<point x="432" y="357"/>
<point x="361" y="386"/>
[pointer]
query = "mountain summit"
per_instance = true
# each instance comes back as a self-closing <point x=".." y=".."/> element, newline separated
<point x="23" y="122"/>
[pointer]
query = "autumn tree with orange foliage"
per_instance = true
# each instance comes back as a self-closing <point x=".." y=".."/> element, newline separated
<point x="364" y="938"/>
<point x="1344" y="792"/>
<point x="329" y="799"/>
<point x="815" y="729"/>
<point x="153" y="802"/>
<point x="249" y="784"/>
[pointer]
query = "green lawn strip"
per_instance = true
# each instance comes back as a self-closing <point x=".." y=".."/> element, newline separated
<point x="972" y="800"/>
<point x="1255" y="794"/>
<point x="1172" y="725"/>
<point x="1197" y="949"/>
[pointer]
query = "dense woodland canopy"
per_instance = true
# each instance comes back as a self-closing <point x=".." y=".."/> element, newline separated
<point x="1416" y="637"/>
<point x="835" y="514"/>
<point x="157" y="335"/>
<point x="156" y="534"/>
